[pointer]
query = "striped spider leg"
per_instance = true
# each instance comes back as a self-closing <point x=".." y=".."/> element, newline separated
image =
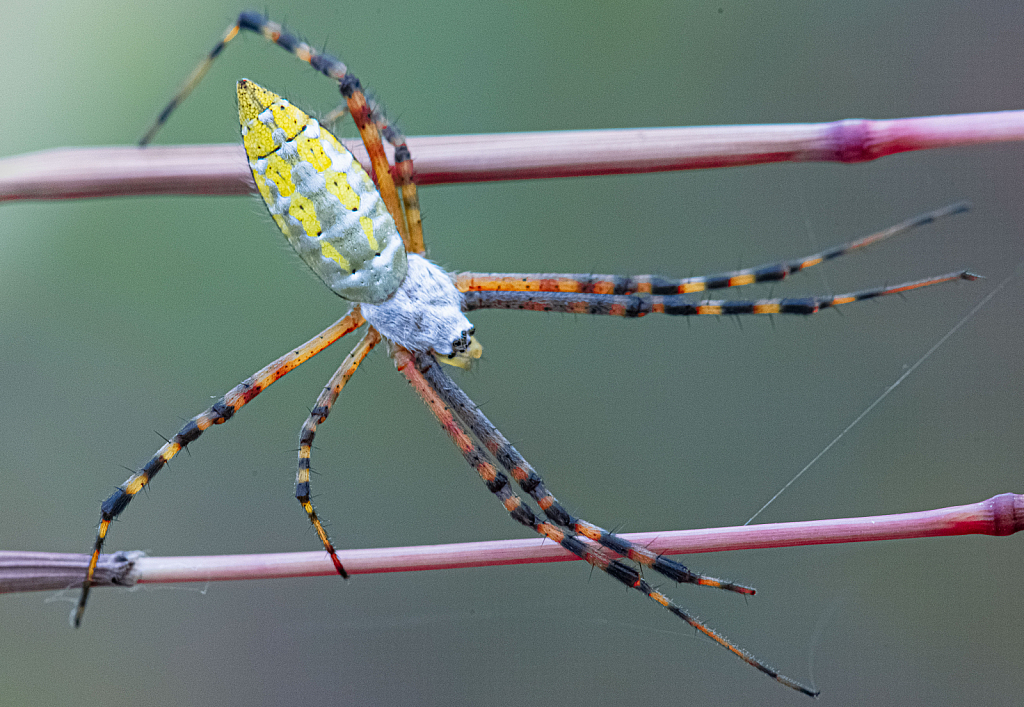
<point x="218" y="413"/>
<point x="365" y="242"/>
<point x="646" y="294"/>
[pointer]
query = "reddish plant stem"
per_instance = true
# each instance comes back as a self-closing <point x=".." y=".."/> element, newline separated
<point x="67" y="173"/>
<point x="27" y="571"/>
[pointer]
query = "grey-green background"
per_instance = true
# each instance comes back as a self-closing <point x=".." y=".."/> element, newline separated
<point x="120" y="318"/>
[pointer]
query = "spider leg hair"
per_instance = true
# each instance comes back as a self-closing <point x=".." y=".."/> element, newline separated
<point x="410" y="366"/>
<point x="656" y="285"/>
<point x="317" y="415"/>
<point x="218" y="413"/>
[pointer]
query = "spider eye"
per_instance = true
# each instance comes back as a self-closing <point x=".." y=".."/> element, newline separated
<point x="463" y="342"/>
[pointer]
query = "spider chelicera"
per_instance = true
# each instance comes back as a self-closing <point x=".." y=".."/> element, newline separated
<point x="365" y="241"/>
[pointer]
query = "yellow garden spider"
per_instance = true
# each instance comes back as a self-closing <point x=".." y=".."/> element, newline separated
<point x="366" y="243"/>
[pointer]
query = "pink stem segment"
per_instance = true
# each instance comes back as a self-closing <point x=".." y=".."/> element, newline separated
<point x="27" y="571"/>
<point x="67" y="173"/>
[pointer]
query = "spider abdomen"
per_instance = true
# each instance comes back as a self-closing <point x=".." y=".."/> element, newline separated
<point x="321" y="198"/>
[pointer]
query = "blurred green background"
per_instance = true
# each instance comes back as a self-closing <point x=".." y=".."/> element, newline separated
<point x="123" y="317"/>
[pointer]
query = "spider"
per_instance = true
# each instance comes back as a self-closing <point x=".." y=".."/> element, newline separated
<point x="364" y="239"/>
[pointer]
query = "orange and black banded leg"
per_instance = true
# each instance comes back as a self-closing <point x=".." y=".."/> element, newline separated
<point x="639" y="305"/>
<point x="219" y="413"/>
<point x="317" y="415"/>
<point x="403" y="168"/>
<point x="367" y="114"/>
<point x="402" y="171"/>
<point x="530" y="481"/>
<point x="498" y="484"/>
<point x="655" y="285"/>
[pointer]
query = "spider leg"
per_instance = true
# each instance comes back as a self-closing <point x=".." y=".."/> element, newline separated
<point x="530" y="481"/>
<point x="219" y="413"/>
<point x="637" y="305"/>
<point x="366" y="112"/>
<point x="655" y="285"/>
<point x="190" y="83"/>
<point x="317" y="415"/>
<point x="520" y="511"/>
<point x="334" y="116"/>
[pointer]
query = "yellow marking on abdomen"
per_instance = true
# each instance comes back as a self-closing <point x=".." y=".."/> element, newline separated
<point x="288" y="118"/>
<point x="310" y="150"/>
<point x="337" y="184"/>
<point x="280" y="173"/>
<point x="332" y="253"/>
<point x="367" y="223"/>
<point x="303" y="211"/>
